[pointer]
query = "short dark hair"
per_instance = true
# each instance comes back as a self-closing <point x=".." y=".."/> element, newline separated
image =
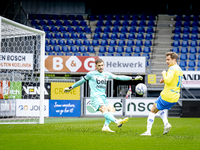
<point x="99" y="60"/>
<point x="172" y="54"/>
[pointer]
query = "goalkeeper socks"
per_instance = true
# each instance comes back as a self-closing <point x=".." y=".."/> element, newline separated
<point x="109" y="116"/>
<point x="150" y="121"/>
<point x="163" y="116"/>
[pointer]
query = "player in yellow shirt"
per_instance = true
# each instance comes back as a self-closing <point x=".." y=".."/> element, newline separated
<point x="169" y="95"/>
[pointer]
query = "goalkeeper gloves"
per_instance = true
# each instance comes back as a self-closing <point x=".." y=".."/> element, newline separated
<point x="68" y="89"/>
<point x="137" y="78"/>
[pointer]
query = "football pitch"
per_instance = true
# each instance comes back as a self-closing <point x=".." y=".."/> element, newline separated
<point x="85" y="133"/>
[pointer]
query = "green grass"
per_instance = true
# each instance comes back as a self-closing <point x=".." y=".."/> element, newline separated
<point x="85" y="133"/>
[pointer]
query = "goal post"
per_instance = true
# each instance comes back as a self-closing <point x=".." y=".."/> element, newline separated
<point x="22" y="61"/>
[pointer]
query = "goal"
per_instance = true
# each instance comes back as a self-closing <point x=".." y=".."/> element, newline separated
<point x="22" y="52"/>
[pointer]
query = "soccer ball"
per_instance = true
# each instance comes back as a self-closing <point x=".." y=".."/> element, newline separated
<point x="141" y="89"/>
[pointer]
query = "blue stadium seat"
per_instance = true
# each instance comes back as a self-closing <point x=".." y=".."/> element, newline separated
<point x="108" y="23"/>
<point x="178" y="24"/>
<point x="111" y="49"/>
<point x="46" y="42"/>
<point x="129" y="49"/>
<point x="115" y="30"/>
<point x="54" y="29"/>
<point x="98" y="30"/>
<point x="82" y="49"/>
<point x="193" y="44"/>
<point x="124" y="30"/>
<point x="79" y="17"/>
<point x="191" y="63"/>
<point x="130" y="43"/>
<point x="56" y="49"/>
<point x="34" y="22"/>
<point x="77" y="54"/>
<point x="92" y="17"/>
<point x="191" y="69"/>
<point x="71" y="17"/>
<point x="87" y="30"/>
<point x="195" y="24"/>
<point x="176" y="43"/>
<point x="143" y="17"/>
<point x="110" y="54"/>
<point x="109" y="17"/>
<point x="70" y="30"/>
<point x="126" y="17"/>
<point x="134" y="24"/>
<point x="177" y="31"/>
<point x="42" y="22"/>
<point x="74" y="36"/>
<point x="86" y="43"/>
<point x="139" y="43"/>
<point x="121" y="43"/>
<point x="100" y="24"/>
<point x="131" y="36"/>
<point x="183" y="63"/>
<point x="183" y="57"/>
<point x="104" y="43"/>
<point x="46" y="29"/>
<point x="73" y="49"/>
<point x="184" y="50"/>
<point x="152" y="17"/>
<point x="82" y="36"/>
<point x="49" y="35"/>
<point x="101" y="17"/>
<point x="67" y="23"/>
<point x="122" y="36"/>
<point x="66" y="36"/>
<point x="185" y="44"/>
<point x="60" y="54"/>
<point x="195" y="31"/>
<point x="65" y="49"/>
<point x="150" y="30"/>
<point x="58" y="23"/>
<point x="86" y="54"/>
<point x="101" y="54"/>
<point x="57" y="35"/>
<point x="185" y="37"/>
<point x="48" y="49"/>
<point x="78" y="42"/>
<point x="95" y="43"/>
<point x="186" y="30"/>
<point x="105" y="36"/>
<point x="117" y="24"/>
<point x="68" y="54"/>
<point x="120" y="49"/>
<point x="147" y="56"/>
<point x="132" y="30"/>
<point x="194" y="37"/>
<point x="50" y="23"/>
<point x="140" y="36"/>
<point x="193" y="50"/>
<point x="134" y="17"/>
<point x="114" y="36"/>
<point x="137" y="49"/>
<point x="61" y="42"/>
<point x="186" y="24"/>
<point x="136" y="54"/>
<point x="83" y="23"/>
<point x="118" y="54"/>
<point x="128" y="54"/>
<point x="141" y="30"/>
<point x="148" y="43"/>
<point x="192" y="57"/>
<point x="113" y="43"/>
<point x="151" y="24"/>
<point x="146" y="50"/>
<point x="51" y="53"/>
<point x="198" y="64"/>
<point x="118" y="17"/>
<point x="96" y="36"/>
<point x="62" y="29"/>
<point x="53" y="42"/>
<point x="102" y="49"/>
<point x="177" y="37"/>
<point x="79" y="30"/>
<point x="175" y="49"/>
<point x="107" y="30"/>
<point x="183" y="69"/>
<point x="70" y="42"/>
<point x="148" y="36"/>
<point x="90" y="49"/>
<point x="199" y="57"/>
<point x="125" y="24"/>
<point x="142" y="24"/>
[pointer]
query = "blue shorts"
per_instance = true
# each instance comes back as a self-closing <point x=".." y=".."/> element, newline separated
<point x="162" y="104"/>
<point x="99" y="101"/>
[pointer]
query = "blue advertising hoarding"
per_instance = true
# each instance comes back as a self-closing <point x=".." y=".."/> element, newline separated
<point x="64" y="108"/>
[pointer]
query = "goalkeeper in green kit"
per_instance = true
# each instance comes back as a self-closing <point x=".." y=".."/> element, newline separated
<point x="97" y="82"/>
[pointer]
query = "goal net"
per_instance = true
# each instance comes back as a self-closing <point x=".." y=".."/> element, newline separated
<point x="21" y="73"/>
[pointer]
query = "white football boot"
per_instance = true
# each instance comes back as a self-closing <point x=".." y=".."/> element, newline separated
<point x="106" y="129"/>
<point x="146" y="134"/>
<point x="167" y="128"/>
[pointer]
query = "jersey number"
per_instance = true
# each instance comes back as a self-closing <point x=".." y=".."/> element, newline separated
<point x="179" y="81"/>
